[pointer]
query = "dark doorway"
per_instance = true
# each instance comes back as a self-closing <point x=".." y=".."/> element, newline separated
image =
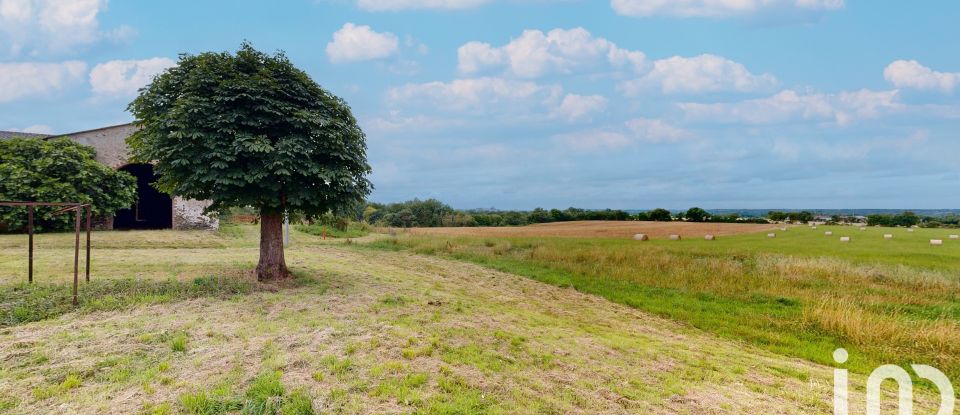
<point x="152" y="210"/>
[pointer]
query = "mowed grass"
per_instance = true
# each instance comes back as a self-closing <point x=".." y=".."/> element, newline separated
<point x="801" y="293"/>
<point x="172" y="323"/>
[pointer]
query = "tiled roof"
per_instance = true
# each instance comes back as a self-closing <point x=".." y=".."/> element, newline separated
<point x="11" y="134"/>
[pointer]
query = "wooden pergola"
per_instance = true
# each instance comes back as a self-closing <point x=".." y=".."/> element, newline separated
<point x="79" y="208"/>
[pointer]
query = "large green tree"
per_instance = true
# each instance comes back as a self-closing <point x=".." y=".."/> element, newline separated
<point x="58" y="170"/>
<point x="250" y="129"/>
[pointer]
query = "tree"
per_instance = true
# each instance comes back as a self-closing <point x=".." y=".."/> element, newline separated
<point x="58" y="170"/>
<point x="660" y="215"/>
<point x="696" y="214"/>
<point x="250" y="129"/>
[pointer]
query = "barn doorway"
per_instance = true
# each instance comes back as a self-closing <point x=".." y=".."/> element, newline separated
<point x="152" y="210"/>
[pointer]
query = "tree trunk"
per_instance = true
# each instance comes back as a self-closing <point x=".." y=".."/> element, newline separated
<point x="272" y="266"/>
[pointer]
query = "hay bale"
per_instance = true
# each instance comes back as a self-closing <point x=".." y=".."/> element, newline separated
<point x="936" y="242"/>
<point x="954" y="236"/>
<point x="641" y="237"/>
<point x="674" y="237"/>
<point x="863" y="228"/>
<point x="784" y="229"/>
<point x="709" y="238"/>
<point x="910" y="230"/>
<point x="887" y="236"/>
<point x="828" y="233"/>
<point x="844" y="239"/>
<point x="813" y="227"/>
<point x="771" y="235"/>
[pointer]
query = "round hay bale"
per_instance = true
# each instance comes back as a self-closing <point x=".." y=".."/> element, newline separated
<point x="844" y="239"/>
<point x="828" y="233"/>
<point x="954" y="236"/>
<point x="641" y="237"/>
<point x="887" y="236"/>
<point x="771" y="235"/>
<point x="783" y="229"/>
<point x="910" y="230"/>
<point x="813" y="227"/>
<point x="709" y="237"/>
<point x="674" y="237"/>
<point x="863" y="228"/>
<point x="936" y="242"/>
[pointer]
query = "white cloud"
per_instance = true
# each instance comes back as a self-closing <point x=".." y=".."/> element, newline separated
<point x="788" y="105"/>
<point x="25" y="80"/>
<point x="394" y="5"/>
<point x="698" y="74"/>
<point x="35" y="129"/>
<point x="535" y="53"/>
<point x="53" y="26"/>
<point x="717" y="8"/>
<point x="655" y="130"/>
<point x="123" y="78"/>
<point x="577" y="107"/>
<point x="354" y="43"/>
<point x="911" y="74"/>
<point x="648" y="130"/>
<point x="480" y="95"/>
<point x="593" y="140"/>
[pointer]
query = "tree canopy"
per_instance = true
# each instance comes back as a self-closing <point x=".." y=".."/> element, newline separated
<point x="250" y="129"/>
<point x="58" y="170"/>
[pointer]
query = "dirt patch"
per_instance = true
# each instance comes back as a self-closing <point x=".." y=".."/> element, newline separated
<point x="602" y="229"/>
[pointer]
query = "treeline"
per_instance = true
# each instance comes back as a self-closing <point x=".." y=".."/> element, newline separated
<point x="908" y="218"/>
<point x="433" y="213"/>
<point x="801" y="217"/>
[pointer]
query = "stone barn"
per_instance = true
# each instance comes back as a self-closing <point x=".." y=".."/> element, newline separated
<point x="153" y="209"/>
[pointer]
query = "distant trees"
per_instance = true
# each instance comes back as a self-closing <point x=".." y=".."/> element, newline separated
<point x="696" y="214"/>
<point x="802" y="216"/>
<point x="659" y="215"/>
<point x="905" y="219"/>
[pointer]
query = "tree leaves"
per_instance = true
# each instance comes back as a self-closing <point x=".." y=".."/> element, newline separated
<point x="250" y="129"/>
<point x="58" y="170"/>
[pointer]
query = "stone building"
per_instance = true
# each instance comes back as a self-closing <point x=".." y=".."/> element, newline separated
<point x="153" y="209"/>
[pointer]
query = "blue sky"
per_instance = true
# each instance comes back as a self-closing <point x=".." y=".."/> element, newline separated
<point x="556" y="103"/>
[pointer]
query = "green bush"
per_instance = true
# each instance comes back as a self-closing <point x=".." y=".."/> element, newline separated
<point x="58" y="170"/>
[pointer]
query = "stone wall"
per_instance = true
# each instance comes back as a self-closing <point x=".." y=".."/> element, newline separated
<point x="188" y="214"/>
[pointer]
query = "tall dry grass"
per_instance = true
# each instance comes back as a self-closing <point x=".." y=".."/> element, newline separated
<point x="804" y="306"/>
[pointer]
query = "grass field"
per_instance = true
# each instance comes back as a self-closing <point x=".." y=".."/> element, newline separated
<point x="173" y="323"/>
<point x="599" y="229"/>
<point x="802" y="293"/>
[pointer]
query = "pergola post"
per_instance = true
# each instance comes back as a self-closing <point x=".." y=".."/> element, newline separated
<point x="30" y="244"/>
<point x="89" y="220"/>
<point x="76" y="254"/>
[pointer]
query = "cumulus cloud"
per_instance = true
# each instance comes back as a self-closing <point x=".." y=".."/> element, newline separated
<point x="593" y="140"/>
<point x="479" y="95"/>
<point x="699" y="74"/>
<point x="354" y="43"/>
<point x="718" y="8"/>
<point x="788" y="105"/>
<point x="35" y="129"/>
<point x="395" y="5"/>
<point x="122" y="78"/>
<point x="655" y="130"/>
<point x="536" y="53"/>
<point x="578" y="107"/>
<point x="27" y="80"/>
<point x="911" y="74"/>
<point x="53" y="26"/>
<point x="646" y="130"/>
